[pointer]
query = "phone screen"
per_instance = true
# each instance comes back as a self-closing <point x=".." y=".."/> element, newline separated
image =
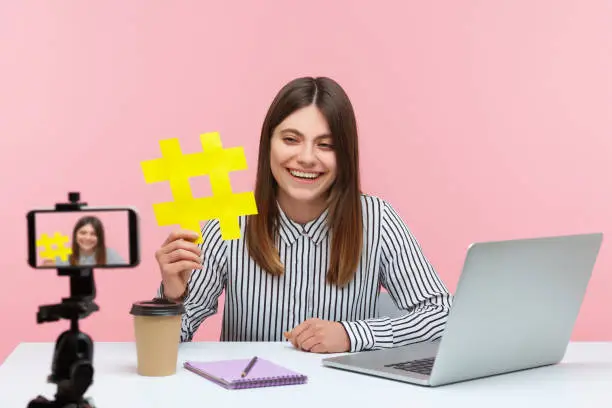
<point x="92" y="238"/>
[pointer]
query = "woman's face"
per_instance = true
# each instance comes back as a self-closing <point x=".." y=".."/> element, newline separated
<point x="86" y="238"/>
<point x="302" y="156"/>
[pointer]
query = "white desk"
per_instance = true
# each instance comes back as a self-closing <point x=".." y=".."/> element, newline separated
<point x="583" y="379"/>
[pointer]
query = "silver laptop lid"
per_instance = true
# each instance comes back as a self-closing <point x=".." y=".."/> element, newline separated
<point x="515" y="305"/>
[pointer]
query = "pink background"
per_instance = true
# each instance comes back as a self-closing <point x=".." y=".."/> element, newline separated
<point x="479" y="120"/>
<point x="115" y="223"/>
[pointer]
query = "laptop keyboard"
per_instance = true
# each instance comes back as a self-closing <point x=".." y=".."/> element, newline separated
<point x="422" y="366"/>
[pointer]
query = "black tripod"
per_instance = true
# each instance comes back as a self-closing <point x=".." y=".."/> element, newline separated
<point x="72" y="366"/>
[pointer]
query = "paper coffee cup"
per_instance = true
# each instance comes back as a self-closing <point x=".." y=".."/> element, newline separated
<point x="157" y="328"/>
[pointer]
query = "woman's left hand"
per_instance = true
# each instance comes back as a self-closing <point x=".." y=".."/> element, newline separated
<point x="319" y="336"/>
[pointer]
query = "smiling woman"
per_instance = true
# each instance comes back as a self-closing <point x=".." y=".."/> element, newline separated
<point x="308" y="163"/>
<point x="308" y="268"/>
<point x="89" y="246"/>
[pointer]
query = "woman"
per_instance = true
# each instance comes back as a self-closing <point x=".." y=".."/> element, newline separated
<point x="309" y="266"/>
<point x="88" y="245"/>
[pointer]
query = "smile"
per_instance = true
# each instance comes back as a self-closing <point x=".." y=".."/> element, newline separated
<point x="304" y="175"/>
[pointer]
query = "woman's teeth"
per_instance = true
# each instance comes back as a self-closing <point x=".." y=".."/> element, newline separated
<point x="302" y="174"/>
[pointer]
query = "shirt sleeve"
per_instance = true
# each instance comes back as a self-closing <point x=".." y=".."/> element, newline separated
<point x="414" y="287"/>
<point x="206" y="284"/>
<point x="60" y="262"/>
<point x="113" y="257"/>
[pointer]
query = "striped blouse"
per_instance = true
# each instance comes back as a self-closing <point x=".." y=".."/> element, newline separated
<point x="260" y="307"/>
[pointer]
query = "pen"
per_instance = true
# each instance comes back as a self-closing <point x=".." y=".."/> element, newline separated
<point x="249" y="366"/>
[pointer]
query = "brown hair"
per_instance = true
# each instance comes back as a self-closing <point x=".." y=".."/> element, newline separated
<point x="100" y="245"/>
<point x="344" y="200"/>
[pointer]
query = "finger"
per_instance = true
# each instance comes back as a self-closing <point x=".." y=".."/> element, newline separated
<point x="180" y="244"/>
<point x="180" y="255"/>
<point x="181" y="234"/>
<point x="289" y="336"/>
<point x="297" y="330"/>
<point x="318" y="348"/>
<point x="310" y="343"/>
<point x="304" y="336"/>
<point x="292" y="339"/>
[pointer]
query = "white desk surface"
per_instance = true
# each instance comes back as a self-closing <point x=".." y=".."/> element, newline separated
<point x="583" y="379"/>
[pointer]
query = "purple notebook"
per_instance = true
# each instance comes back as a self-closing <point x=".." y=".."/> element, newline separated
<point x="227" y="373"/>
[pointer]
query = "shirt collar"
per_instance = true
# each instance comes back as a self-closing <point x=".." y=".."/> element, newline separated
<point x="290" y="230"/>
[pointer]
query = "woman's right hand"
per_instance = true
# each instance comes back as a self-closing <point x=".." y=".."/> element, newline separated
<point x="177" y="257"/>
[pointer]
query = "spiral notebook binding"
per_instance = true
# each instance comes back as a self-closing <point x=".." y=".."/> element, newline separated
<point x="269" y="381"/>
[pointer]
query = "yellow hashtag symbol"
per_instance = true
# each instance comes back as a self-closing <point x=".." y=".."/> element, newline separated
<point x="214" y="161"/>
<point x="54" y="246"/>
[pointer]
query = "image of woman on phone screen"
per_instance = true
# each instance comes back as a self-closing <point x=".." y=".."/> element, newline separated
<point x="88" y="245"/>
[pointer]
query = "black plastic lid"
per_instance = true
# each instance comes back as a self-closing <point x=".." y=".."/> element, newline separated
<point x="157" y="307"/>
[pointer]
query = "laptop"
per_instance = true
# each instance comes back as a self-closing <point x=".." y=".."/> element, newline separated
<point x="514" y="309"/>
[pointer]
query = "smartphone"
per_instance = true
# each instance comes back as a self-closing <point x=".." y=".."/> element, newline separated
<point x="93" y="237"/>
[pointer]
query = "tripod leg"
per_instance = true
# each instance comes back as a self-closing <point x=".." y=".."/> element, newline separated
<point x="42" y="402"/>
<point x="82" y="378"/>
